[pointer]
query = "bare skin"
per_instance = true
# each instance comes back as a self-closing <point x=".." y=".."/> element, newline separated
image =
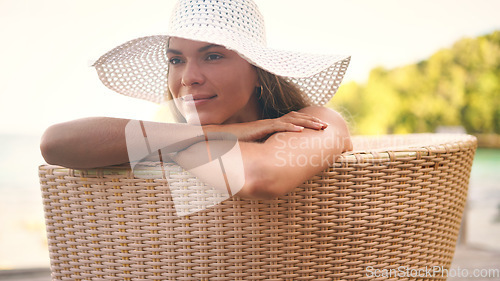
<point x="277" y="154"/>
<point x="100" y="141"/>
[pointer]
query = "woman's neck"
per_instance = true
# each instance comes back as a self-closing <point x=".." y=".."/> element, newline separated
<point x="250" y="112"/>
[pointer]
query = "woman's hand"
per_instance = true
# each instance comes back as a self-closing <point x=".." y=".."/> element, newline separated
<point x="261" y="129"/>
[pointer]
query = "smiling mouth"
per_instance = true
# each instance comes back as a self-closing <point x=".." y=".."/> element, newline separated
<point x="197" y="100"/>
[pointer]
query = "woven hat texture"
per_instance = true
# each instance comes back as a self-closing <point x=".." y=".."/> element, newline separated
<point x="138" y="68"/>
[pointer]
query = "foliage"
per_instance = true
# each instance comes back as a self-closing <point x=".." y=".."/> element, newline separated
<point x="459" y="86"/>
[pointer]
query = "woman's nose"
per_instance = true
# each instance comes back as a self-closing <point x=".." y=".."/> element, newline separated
<point x="192" y="74"/>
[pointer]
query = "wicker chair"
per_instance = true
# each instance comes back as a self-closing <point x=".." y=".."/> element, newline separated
<point x="396" y="201"/>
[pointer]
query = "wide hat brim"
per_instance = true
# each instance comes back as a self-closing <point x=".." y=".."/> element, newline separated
<point x="138" y="68"/>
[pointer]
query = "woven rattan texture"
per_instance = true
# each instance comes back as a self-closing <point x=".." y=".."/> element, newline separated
<point x="381" y="209"/>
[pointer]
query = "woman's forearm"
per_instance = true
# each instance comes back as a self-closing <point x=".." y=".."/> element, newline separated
<point x="274" y="167"/>
<point x="102" y="141"/>
<point x="230" y="166"/>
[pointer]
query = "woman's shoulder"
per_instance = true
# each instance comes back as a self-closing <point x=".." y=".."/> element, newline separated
<point x="324" y="113"/>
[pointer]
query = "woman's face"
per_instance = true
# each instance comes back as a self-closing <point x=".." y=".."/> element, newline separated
<point x="212" y="82"/>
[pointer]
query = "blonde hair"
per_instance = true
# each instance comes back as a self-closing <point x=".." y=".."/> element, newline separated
<point x="276" y="96"/>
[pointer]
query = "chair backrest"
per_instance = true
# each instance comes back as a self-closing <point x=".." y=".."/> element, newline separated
<point x="394" y="202"/>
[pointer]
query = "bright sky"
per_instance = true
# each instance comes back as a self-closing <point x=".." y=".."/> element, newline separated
<point x="47" y="46"/>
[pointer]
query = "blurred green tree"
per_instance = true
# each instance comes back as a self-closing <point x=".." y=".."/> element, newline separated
<point x="458" y="86"/>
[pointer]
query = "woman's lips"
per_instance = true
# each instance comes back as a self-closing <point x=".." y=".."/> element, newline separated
<point x="203" y="101"/>
<point x="199" y="101"/>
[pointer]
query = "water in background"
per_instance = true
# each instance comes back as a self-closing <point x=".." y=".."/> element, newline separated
<point x="483" y="210"/>
<point x="22" y="233"/>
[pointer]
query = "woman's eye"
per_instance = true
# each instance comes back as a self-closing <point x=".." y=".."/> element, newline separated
<point x="174" y="61"/>
<point x="214" y="57"/>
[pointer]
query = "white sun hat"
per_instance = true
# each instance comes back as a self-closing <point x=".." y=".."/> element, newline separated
<point x="138" y="68"/>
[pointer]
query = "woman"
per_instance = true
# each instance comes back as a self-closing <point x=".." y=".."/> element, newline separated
<point x="215" y="66"/>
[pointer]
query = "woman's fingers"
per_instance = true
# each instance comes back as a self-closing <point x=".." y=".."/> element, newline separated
<point x="310" y="124"/>
<point x="297" y="125"/>
<point x="305" y="120"/>
<point x="294" y="122"/>
<point x="289" y="127"/>
<point x="306" y="116"/>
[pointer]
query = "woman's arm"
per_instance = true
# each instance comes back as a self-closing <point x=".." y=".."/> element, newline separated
<point x="290" y="158"/>
<point x="102" y="141"/>
<point x="281" y="163"/>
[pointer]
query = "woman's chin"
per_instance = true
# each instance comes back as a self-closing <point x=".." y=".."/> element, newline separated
<point x="201" y="120"/>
